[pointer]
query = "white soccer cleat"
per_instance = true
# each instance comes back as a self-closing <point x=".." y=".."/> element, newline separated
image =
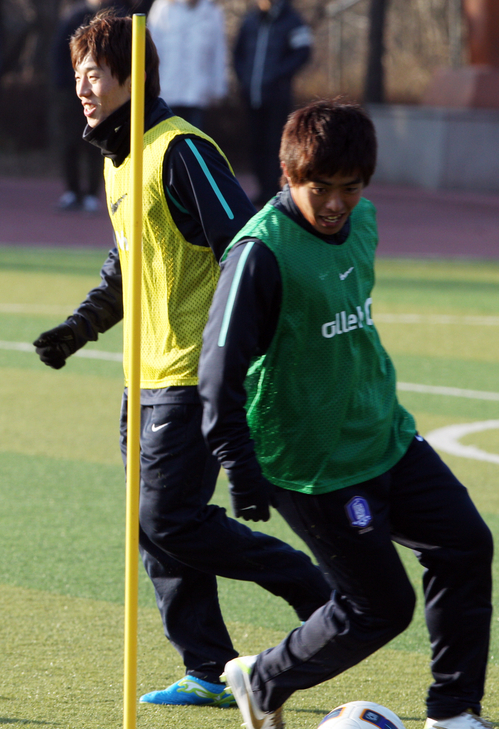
<point x="466" y="720"/>
<point x="237" y="676"/>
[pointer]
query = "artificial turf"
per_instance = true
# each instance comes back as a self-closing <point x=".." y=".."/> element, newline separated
<point x="62" y="503"/>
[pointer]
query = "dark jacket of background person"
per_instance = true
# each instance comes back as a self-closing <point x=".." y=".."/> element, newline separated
<point x="81" y="164"/>
<point x="63" y="76"/>
<point x="271" y="47"/>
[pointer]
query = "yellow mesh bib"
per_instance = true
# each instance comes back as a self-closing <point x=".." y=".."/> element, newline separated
<point x="178" y="278"/>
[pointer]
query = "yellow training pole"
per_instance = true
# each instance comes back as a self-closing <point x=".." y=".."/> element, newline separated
<point x="133" y="421"/>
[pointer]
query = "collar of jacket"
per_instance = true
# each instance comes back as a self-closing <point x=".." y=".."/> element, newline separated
<point x="112" y="136"/>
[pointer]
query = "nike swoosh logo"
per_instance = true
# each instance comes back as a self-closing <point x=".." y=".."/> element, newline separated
<point x="115" y="205"/>
<point x="155" y="427"/>
<point x="245" y="508"/>
<point x="344" y="275"/>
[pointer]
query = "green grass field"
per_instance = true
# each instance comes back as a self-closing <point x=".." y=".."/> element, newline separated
<point x="62" y="501"/>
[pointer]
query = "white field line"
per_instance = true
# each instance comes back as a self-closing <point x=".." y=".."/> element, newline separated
<point x="444" y="439"/>
<point x="87" y="353"/>
<point x="490" y="321"/>
<point x="473" y="321"/>
<point x="447" y="439"/>
<point x="448" y="391"/>
<point x="404" y="386"/>
<point x="41" y="309"/>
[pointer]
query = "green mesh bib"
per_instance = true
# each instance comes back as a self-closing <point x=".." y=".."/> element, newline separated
<point x="322" y="405"/>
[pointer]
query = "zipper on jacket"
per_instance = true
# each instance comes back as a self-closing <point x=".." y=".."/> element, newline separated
<point x="258" y="66"/>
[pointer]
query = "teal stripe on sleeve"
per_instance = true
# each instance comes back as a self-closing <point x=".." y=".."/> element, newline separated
<point x="210" y="179"/>
<point x="175" y="202"/>
<point x="232" y="294"/>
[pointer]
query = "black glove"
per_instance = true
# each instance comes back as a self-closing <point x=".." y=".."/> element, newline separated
<point x="56" y="345"/>
<point x="251" y="501"/>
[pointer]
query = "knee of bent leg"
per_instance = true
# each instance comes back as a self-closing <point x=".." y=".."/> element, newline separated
<point x="406" y="609"/>
<point x="478" y="555"/>
<point x="147" y="518"/>
<point x="155" y="520"/>
<point x="485" y="545"/>
<point x="163" y="518"/>
<point x="399" y="608"/>
<point x="474" y="550"/>
<point x="387" y="614"/>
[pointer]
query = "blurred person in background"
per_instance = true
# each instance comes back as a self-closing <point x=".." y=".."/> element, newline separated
<point x="81" y="163"/>
<point x="272" y="46"/>
<point x="191" y="43"/>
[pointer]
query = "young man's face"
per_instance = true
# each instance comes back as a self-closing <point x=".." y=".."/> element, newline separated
<point x="99" y="91"/>
<point x="327" y="201"/>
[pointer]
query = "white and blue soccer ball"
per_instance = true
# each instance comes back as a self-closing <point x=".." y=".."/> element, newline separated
<point x="361" y="715"/>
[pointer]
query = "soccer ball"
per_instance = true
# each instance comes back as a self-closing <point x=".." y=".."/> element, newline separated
<point x="361" y="715"/>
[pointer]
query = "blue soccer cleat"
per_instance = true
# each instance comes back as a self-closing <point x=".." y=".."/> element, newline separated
<point x="191" y="690"/>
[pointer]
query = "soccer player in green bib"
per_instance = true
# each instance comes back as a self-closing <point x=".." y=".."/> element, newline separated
<point x="300" y="407"/>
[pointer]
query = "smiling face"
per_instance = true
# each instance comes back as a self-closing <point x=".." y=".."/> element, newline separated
<point x="99" y="91"/>
<point x="326" y="202"/>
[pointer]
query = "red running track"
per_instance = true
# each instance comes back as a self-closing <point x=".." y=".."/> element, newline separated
<point x="412" y="222"/>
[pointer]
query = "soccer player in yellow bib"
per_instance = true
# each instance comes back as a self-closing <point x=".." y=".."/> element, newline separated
<point x="193" y="206"/>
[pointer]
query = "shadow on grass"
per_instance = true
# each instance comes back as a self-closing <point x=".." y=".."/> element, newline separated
<point x="411" y="718"/>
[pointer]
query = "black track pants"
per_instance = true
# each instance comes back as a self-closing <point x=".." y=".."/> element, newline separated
<point x="185" y="542"/>
<point x="420" y="504"/>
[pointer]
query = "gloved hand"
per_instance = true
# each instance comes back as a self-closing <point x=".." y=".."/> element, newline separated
<point x="251" y="501"/>
<point x="56" y="345"/>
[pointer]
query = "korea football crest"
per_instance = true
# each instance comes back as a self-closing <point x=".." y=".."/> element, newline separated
<point x="358" y="512"/>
